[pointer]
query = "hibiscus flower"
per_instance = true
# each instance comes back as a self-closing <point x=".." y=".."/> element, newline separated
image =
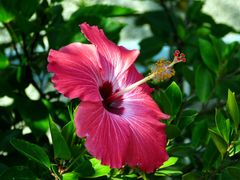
<point x="117" y="116"/>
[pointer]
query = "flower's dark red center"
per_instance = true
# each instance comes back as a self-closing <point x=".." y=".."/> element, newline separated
<point x="111" y="103"/>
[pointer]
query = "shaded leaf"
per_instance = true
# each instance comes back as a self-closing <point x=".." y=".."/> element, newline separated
<point x="192" y="176"/>
<point x="208" y="55"/>
<point x="68" y="132"/>
<point x="199" y="133"/>
<point x="222" y="125"/>
<point x="18" y="173"/>
<point x="219" y="142"/>
<point x="187" y="117"/>
<point x="32" y="151"/>
<point x="172" y="131"/>
<point x="147" y="48"/>
<point x="203" y="83"/>
<point x="234" y="171"/>
<point x="60" y="146"/>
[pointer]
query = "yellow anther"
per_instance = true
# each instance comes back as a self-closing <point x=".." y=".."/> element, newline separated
<point x="163" y="70"/>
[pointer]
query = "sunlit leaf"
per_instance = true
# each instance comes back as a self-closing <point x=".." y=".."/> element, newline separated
<point x="171" y="161"/>
<point x="100" y="170"/>
<point x="232" y="108"/>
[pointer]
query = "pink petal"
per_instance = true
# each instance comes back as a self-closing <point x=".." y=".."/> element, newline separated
<point x="148" y="140"/>
<point x="131" y="76"/>
<point x="77" y="72"/>
<point x="107" y="135"/>
<point x="115" y="59"/>
<point x="136" y="137"/>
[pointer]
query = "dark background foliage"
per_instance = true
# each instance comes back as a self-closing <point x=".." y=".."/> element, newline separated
<point x="202" y="98"/>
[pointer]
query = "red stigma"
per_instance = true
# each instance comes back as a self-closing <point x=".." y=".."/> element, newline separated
<point x="179" y="56"/>
<point x="176" y="52"/>
<point x="182" y="55"/>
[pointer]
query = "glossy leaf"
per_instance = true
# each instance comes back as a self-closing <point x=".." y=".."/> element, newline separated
<point x="233" y="110"/>
<point x="168" y="172"/>
<point x="60" y="146"/>
<point x="68" y="132"/>
<point x="100" y="170"/>
<point x="174" y="95"/>
<point x="32" y="151"/>
<point x="219" y="142"/>
<point x="199" y="133"/>
<point x="70" y="176"/>
<point x="222" y="125"/>
<point x="208" y="55"/>
<point x="163" y="102"/>
<point x="187" y="117"/>
<point x="203" y="83"/>
<point x="171" y="161"/>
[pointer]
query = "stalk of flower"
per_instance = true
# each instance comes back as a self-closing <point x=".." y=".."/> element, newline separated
<point x="117" y="116"/>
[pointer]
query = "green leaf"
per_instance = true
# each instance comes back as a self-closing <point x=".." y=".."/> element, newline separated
<point x="171" y="161"/>
<point x="168" y="172"/>
<point x="147" y="50"/>
<point x="3" y="168"/>
<point x="32" y="151"/>
<point x="103" y="10"/>
<point x="199" y="133"/>
<point x="34" y="113"/>
<point x="60" y="146"/>
<point x="100" y="170"/>
<point x="163" y="102"/>
<point x="219" y="142"/>
<point x="203" y="83"/>
<point x="192" y="176"/>
<point x="208" y="55"/>
<point x="68" y="132"/>
<point x="187" y="117"/>
<point x="210" y="156"/>
<point x="174" y="95"/>
<point x="18" y="173"/>
<point x="222" y="126"/>
<point x="233" y="171"/>
<point x="221" y="49"/>
<point x="3" y="60"/>
<point x="5" y="15"/>
<point x="172" y="131"/>
<point x="232" y="108"/>
<point x="25" y="9"/>
<point x="70" y="176"/>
